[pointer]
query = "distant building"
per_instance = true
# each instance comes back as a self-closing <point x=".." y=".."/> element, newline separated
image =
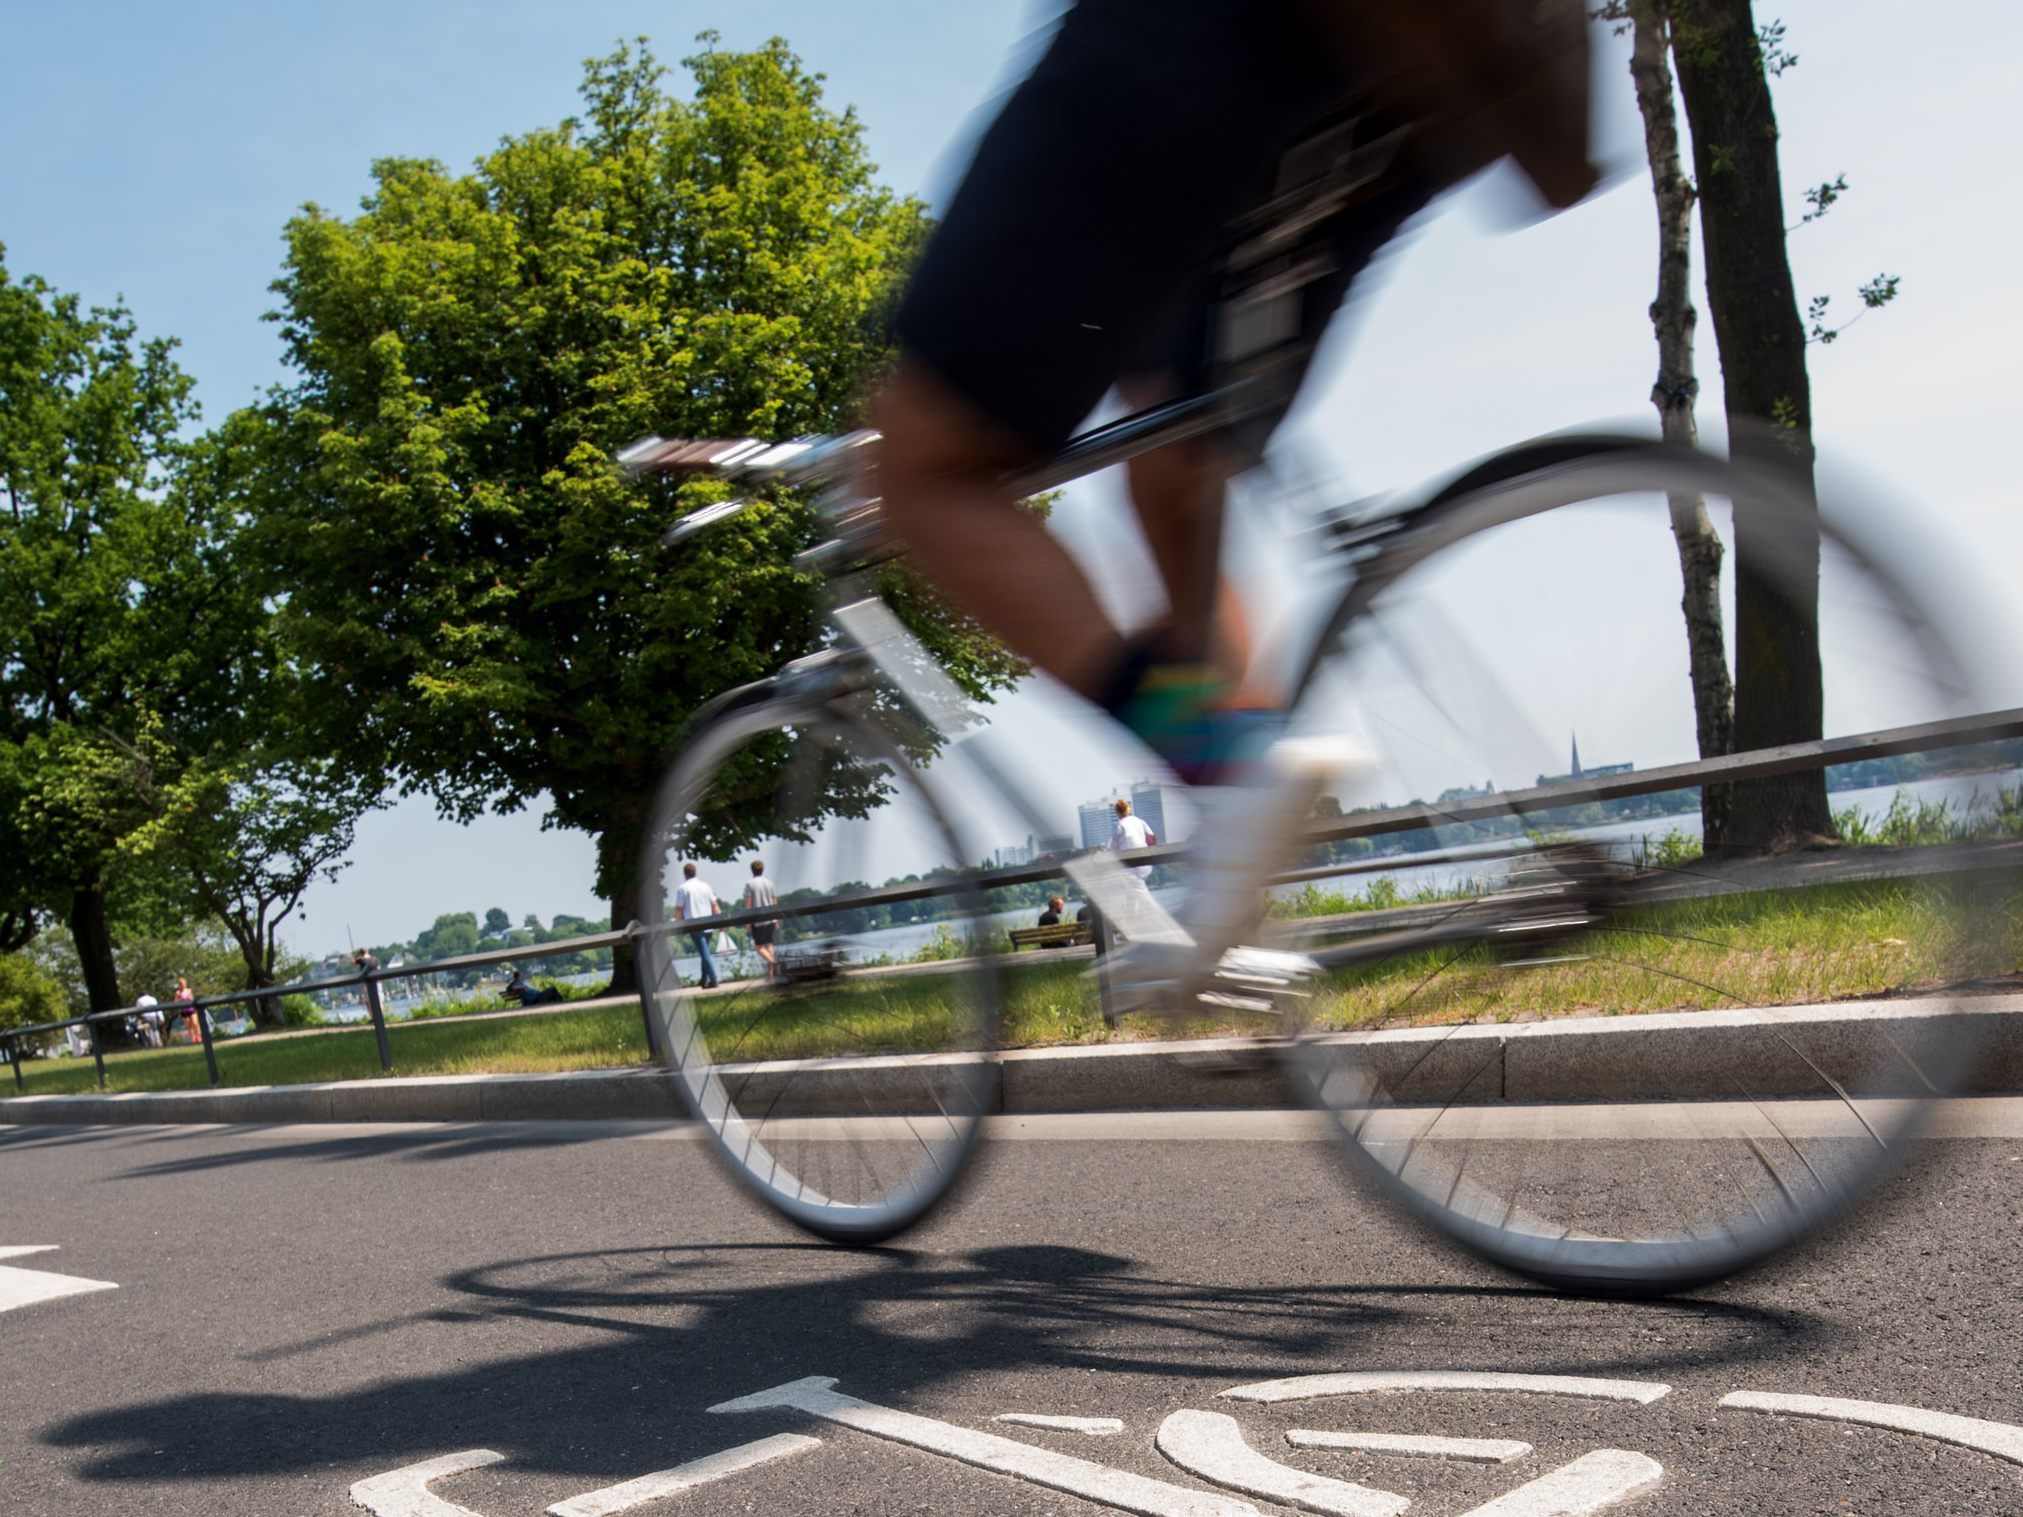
<point x="1015" y="854"/>
<point x="1047" y="844"/>
<point x="1096" y="819"/>
<point x="1577" y="771"/>
<point x="1148" y="801"/>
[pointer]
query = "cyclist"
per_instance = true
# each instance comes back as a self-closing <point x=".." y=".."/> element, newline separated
<point x="1147" y="131"/>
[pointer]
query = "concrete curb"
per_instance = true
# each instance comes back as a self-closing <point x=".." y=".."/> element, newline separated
<point x="1679" y="1055"/>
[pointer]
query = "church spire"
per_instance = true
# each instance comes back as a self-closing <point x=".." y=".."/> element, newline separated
<point x="1575" y="770"/>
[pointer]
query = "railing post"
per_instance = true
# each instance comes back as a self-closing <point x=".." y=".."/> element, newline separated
<point x="378" y="1014"/>
<point x="97" y="1050"/>
<point x="210" y="1049"/>
<point x="14" y="1058"/>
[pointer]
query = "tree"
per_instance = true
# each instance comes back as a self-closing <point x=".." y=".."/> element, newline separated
<point x="483" y="600"/>
<point x="1673" y="320"/>
<point x="1724" y="83"/>
<point x="99" y="618"/>
<point x="497" y="923"/>
<point x="249" y="833"/>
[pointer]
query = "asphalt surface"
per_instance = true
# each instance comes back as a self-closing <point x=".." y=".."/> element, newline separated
<point x="301" y="1309"/>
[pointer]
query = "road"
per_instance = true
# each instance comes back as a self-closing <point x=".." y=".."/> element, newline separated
<point x="300" y="1311"/>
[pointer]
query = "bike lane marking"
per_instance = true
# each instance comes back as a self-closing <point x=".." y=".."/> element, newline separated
<point x="2004" y="1440"/>
<point x="1094" y="1427"/>
<point x="24" y="1287"/>
<point x="1590" y="1483"/>
<point x="816" y="1396"/>
<point x="1385" y="1382"/>
<point x="683" y="1477"/>
<point x="1210" y="1445"/>
<point x="1413" y="1445"/>
<point x="404" y="1492"/>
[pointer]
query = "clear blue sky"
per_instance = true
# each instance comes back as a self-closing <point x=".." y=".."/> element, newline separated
<point x="155" y="152"/>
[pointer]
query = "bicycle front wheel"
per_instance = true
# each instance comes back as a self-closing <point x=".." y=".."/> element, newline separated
<point x="843" y="1059"/>
<point x="1573" y="1039"/>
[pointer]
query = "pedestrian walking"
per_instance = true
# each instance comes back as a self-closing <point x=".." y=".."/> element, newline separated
<point x="184" y="997"/>
<point x="694" y="901"/>
<point x="1130" y="831"/>
<point x="760" y="892"/>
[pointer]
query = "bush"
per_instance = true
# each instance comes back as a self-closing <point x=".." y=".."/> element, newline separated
<point x="300" y="1011"/>
<point x="29" y="993"/>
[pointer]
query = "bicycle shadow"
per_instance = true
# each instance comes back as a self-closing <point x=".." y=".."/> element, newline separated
<point x="675" y="1329"/>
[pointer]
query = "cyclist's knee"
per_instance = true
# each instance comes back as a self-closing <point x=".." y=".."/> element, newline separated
<point x="934" y="438"/>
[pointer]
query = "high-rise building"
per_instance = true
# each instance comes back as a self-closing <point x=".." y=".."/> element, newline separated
<point x="1097" y="818"/>
<point x="1048" y="843"/>
<point x="1148" y="802"/>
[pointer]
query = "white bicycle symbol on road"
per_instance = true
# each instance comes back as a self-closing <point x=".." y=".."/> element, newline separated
<point x="1211" y="1447"/>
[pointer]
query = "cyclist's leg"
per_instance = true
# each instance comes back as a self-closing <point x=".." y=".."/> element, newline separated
<point x="939" y="473"/>
<point x="1147" y="127"/>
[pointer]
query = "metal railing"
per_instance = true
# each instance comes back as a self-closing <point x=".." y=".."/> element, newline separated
<point x="1759" y="763"/>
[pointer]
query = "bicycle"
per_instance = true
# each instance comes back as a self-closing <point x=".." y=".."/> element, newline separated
<point x="849" y="1100"/>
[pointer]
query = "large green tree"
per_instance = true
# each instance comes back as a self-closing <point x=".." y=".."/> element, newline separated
<point x="104" y="610"/>
<point x="485" y="599"/>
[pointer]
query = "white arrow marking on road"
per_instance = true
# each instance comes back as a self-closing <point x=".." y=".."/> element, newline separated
<point x="1095" y="1427"/>
<point x="24" y="1287"/>
<point x="2002" y="1439"/>
<point x="404" y="1492"/>
<point x="683" y="1477"/>
<point x="1057" y="1472"/>
<point x="1590" y="1483"/>
<point x="1211" y="1445"/>
<point x="1305" y="1387"/>
<point x="1413" y="1445"/>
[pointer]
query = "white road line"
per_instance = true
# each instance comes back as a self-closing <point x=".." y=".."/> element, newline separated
<point x="1413" y="1445"/>
<point x="24" y="1287"/>
<point x="683" y="1477"/>
<point x="404" y="1492"/>
<point x="1210" y="1445"/>
<point x="1385" y="1382"/>
<point x="1590" y="1483"/>
<point x="2002" y="1439"/>
<point x="1095" y="1427"/>
<point x="1003" y="1456"/>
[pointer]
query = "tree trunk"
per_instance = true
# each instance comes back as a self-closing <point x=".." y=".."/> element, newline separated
<point x="618" y="877"/>
<point x="1778" y="695"/>
<point x="92" y="934"/>
<point x="1672" y="322"/>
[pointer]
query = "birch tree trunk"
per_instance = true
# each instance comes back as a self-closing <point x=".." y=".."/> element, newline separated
<point x="1672" y="322"/>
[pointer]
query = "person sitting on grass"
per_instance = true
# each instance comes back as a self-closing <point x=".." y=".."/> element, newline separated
<point x="520" y="991"/>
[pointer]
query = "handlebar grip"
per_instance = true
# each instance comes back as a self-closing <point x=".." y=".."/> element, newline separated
<point x="685" y="455"/>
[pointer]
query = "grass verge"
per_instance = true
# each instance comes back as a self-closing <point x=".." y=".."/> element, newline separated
<point x="1826" y="943"/>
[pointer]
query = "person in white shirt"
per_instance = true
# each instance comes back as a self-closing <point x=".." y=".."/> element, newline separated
<point x="761" y="892"/>
<point x="693" y="901"/>
<point x="1130" y="831"/>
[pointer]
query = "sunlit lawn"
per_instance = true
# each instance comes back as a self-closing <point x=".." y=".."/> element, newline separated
<point x="1827" y="943"/>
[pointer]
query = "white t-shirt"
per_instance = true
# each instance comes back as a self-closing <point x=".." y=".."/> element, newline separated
<point x="760" y="891"/>
<point x="697" y="900"/>
<point x="1130" y="832"/>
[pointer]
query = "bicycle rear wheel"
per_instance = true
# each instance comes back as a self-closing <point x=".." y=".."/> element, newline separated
<point x="1565" y="1038"/>
<point x="847" y="1087"/>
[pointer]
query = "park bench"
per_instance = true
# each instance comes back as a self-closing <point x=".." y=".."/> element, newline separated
<point x="1059" y="935"/>
<point x="814" y="962"/>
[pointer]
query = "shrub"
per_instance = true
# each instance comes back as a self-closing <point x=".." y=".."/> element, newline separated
<point x="29" y="993"/>
<point x="300" y="1011"/>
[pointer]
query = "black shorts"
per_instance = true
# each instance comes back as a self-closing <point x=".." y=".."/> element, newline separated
<point x="1083" y="245"/>
<point x="762" y="934"/>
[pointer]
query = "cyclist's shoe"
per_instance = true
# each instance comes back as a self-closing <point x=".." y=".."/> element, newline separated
<point x="1182" y="713"/>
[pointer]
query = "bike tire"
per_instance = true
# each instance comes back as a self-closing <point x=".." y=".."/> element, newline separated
<point x="848" y="1101"/>
<point x="1566" y="1148"/>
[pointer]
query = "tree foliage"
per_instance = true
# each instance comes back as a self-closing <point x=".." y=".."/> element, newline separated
<point x="484" y="600"/>
<point x="102" y="610"/>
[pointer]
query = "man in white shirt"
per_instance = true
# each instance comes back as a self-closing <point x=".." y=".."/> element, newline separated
<point x="692" y="902"/>
<point x="1130" y="831"/>
<point x="761" y="892"/>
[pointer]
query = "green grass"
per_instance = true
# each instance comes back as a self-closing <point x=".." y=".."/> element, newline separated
<point x="1787" y="947"/>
